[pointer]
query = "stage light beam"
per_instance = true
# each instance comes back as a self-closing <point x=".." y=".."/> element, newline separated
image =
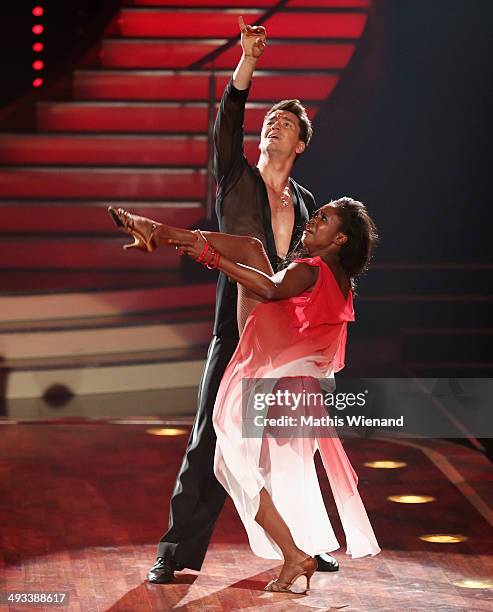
<point x="444" y="538"/>
<point x="385" y="465"/>
<point x="166" y="431"/>
<point x="411" y="499"/>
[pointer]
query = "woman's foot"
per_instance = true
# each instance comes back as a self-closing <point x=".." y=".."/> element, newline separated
<point x="141" y="228"/>
<point x="291" y="571"/>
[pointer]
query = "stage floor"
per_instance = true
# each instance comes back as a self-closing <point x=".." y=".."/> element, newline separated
<point x="83" y="504"/>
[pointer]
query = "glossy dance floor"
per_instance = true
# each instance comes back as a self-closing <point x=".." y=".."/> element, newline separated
<point x="83" y="504"/>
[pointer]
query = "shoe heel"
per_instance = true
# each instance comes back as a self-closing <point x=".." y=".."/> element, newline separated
<point x="308" y="578"/>
<point x="308" y="575"/>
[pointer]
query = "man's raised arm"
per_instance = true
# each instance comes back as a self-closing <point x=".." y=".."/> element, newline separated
<point x="228" y="128"/>
<point x="253" y="44"/>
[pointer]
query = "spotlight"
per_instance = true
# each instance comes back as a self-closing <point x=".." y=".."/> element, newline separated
<point x="166" y="431"/>
<point x="38" y="11"/>
<point x="411" y="499"/>
<point x="38" y="47"/>
<point x="468" y="583"/>
<point x="444" y="538"/>
<point x="385" y="465"/>
<point x="38" y="29"/>
<point x="38" y="65"/>
<point x="37" y="82"/>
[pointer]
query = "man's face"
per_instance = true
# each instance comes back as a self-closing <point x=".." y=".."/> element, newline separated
<point x="281" y="134"/>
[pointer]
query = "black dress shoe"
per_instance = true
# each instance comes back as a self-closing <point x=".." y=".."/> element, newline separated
<point x="162" y="572"/>
<point x="326" y="563"/>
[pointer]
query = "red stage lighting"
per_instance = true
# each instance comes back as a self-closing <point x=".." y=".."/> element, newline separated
<point x="38" y="29"/>
<point x="38" y="65"/>
<point x="38" y="11"/>
<point x="37" y="82"/>
<point x="38" y="47"/>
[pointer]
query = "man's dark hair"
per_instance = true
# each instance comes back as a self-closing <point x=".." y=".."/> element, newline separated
<point x="295" y="107"/>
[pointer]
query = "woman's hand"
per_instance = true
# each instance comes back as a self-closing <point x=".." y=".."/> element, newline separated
<point x="193" y="247"/>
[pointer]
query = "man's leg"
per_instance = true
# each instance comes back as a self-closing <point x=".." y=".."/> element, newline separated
<point x="198" y="497"/>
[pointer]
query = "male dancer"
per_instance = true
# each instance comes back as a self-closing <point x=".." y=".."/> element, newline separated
<point x="263" y="202"/>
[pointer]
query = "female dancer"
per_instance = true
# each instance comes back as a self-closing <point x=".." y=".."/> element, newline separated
<point x="292" y="324"/>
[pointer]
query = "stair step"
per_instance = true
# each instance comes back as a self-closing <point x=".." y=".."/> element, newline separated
<point x="161" y="289"/>
<point x="447" y="345"/>
<point x="428" y="278"/>
<point x="57" y="343"/>
<point x="139" y="117"/>
<point x="173" y="23"/>
<point x="165" y="316"/>
<point x="456" y="369"/>
<point x="114" y="183"/>
<point x="63" y="283"/>
<point x="386" y="313"/>
<point x="256" y="3"/>
<point x="194" y="85"/>
<point x="102" y="360"/>
<point x="160" y="386"/>
<point x="74" y="216"/>
<point x="123" y="117"/>
<point x="114" y="150"/>
<point x="64" y="252"/>
<point x="166" y="293"/>
<point x="180" y="54"/>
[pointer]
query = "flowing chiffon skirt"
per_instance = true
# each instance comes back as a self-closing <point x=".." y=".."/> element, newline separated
<point x="288" y="345"/>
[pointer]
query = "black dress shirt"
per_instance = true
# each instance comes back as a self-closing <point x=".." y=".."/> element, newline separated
<point x="242" y="203"/>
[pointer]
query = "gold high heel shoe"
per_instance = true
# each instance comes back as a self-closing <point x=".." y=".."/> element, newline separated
<point x="308" y="565"/>
<point x="127" y="222"/>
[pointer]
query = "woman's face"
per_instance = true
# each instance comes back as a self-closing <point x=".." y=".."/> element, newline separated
<point x="323" y="230"/>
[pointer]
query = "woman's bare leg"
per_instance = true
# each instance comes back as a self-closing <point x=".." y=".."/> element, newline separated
<point x="269" y="518"/>
<point x="241" y="249"/>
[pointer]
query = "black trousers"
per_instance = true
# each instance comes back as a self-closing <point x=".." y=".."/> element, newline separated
<point x="198" y="497"/>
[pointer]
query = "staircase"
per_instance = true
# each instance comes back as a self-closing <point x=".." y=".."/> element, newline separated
<point x="78" y="314"/>
<point x="428" y="319"/>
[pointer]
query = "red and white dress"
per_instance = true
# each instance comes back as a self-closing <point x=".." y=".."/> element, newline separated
<point x="302" y="337"/>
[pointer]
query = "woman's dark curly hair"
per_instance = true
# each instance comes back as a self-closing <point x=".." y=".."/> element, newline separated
<point x="362" y="235"/>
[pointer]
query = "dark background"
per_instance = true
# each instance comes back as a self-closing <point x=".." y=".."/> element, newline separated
<point x="70" y="30"/>
<point x="407" y="131"/>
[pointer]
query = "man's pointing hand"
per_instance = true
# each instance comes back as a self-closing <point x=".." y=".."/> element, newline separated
<point x="253" y="39"/>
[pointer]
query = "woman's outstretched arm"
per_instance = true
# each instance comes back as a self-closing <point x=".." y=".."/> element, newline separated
<point x="295" y="279"/>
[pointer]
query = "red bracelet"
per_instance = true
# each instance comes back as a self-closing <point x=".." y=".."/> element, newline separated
<point x="201" y="257"/>
<point x="210" y="257"/>
<point x="217" y="257"/>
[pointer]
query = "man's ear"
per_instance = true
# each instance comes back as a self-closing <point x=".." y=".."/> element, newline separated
<point x="300" y="147"/>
